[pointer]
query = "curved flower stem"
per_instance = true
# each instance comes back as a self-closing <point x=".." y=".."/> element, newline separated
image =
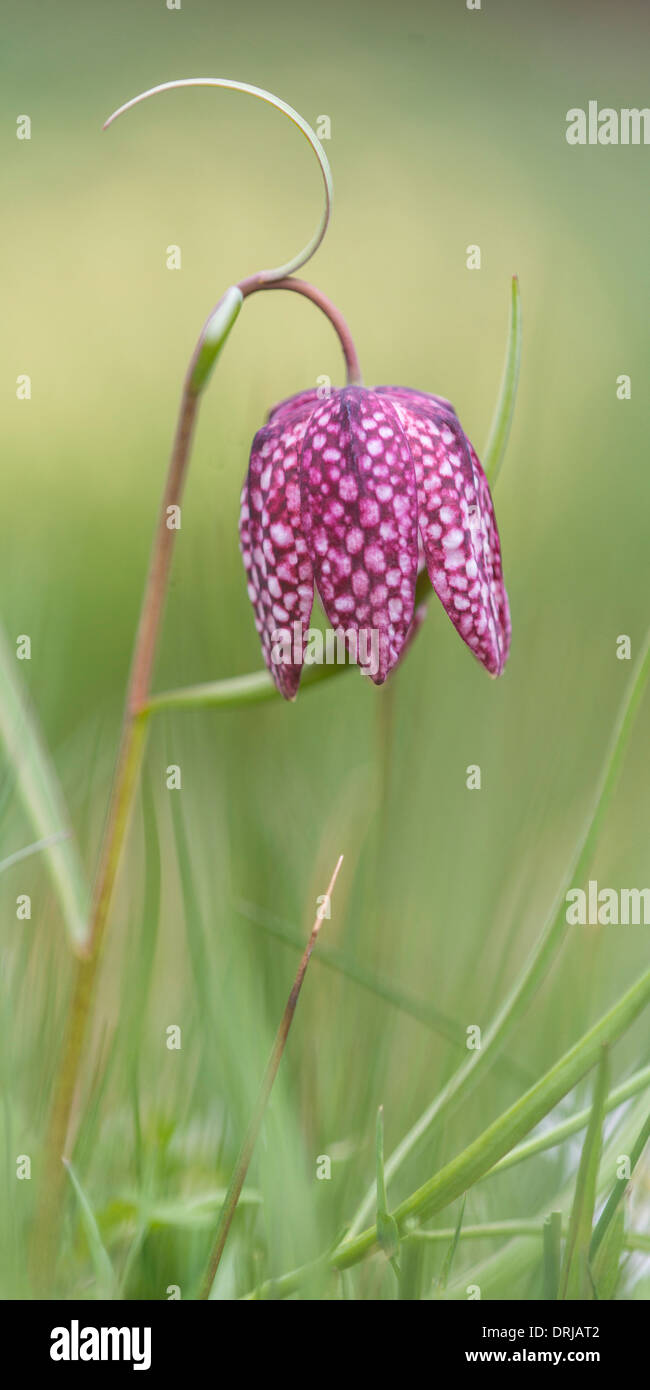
<point x="254" y="282"/>
<point x="480" y="1156"/>
<point x="281" y="271"/>
<point x="467" y="1075"/>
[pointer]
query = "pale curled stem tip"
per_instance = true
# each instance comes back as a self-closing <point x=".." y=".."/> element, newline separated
<point x="277" y="272"/>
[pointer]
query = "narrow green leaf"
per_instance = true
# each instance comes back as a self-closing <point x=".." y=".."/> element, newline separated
<point x="500" y="428"/>
<point x="213" y="337"/>
<point x="195" y="933"/>
<point x="552" y="1231"/>
<point x="606" y="1267"/>
<point x="387" y="1232"/>
<point x="617" y="1191"/>
<point x="449" y="1257"/>
<point x="251" y="689"/>
<point x="575" y="1282"/>
<point x="28" y="850"/>
<point x="41" y="795"/>
<point x="104" y="1273"/>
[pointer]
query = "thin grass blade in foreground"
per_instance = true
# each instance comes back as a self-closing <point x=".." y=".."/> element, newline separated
<point x="387" y="1232"/>
<point x="500" y="428"/>
<point x="246" y="1151"/>
<point x="575" y="1282"/>
<point x="552" y="1237"/>
<point x="38" y="787"/>
<point x="104" y="1272"/>
<point x="617" y="1192"/>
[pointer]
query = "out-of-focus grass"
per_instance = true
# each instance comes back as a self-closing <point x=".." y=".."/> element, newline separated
<point x="443" y="890"/>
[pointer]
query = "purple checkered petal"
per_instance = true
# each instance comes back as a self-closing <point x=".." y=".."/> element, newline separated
<point x="404" y="395"/>
<point x="359" y="518"/>
<point x="278" y="567"/>
<point x="295" y="407"/>
<point x="458" y="529"/>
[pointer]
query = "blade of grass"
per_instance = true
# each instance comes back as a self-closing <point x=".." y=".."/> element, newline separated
<point x="104" y="1273"/>
<point x="449" y="1257"/>
<point x="28" y="850"/>
<point x="387" y="1232"/>
<point x="616" y="1194"/>
<point x="574" y="1281"/>
<point x="606" y="1268"/>
<point x="246" y="1151"/>
<point x="499" y="1230"/>
<point x="39" y="790"/>
<point x="539" y="961"/>
<point x="500" y="428"/>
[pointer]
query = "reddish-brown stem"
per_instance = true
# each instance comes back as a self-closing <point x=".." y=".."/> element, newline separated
<point x="254" y="283"/>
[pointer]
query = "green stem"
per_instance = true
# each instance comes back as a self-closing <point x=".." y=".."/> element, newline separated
<point x="477" y="1062"/>
<point x="499" y="1230"/>
<point x="474" y="1162"/>
<point x="252" y="689"/>
<point x="500" y="428"/>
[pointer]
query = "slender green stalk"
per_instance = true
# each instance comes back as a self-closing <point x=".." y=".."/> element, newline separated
<point x="478" y="1062"/>
<point x="574" y="1279"/>
<point x="236" y="690"/>
<point x="502" y="1230"/>
<point x="552" y="1257"/>
<point x="246" y="1152"/>
<point x="617" y="1192"/>
<point x="36" y="848"/>
<point x="500" y="428"/>
<point x="473" y="1162"/>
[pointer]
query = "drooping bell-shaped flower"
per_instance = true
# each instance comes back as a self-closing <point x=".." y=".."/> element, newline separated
<point x="355" y="493"/>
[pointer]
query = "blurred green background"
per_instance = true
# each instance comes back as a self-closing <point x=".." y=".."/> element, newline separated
<point x="447" y="130"/>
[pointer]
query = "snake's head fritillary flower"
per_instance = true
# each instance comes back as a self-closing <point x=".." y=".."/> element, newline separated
<point x="355" y="493"/>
